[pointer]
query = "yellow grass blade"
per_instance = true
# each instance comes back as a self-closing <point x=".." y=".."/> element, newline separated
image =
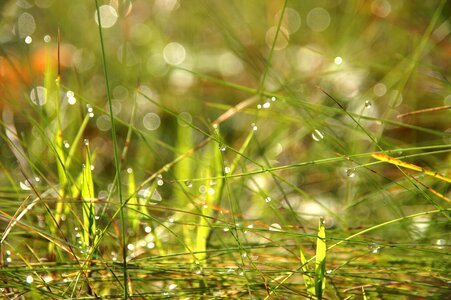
<point x="397" y="162"/>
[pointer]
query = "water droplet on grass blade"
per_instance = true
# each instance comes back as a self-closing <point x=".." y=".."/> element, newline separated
<point x="268" y="199"/>
<point x="368" y="104"/>
<point x="350" y="172"/>
<point x="254" y="127"/>
<point x="374" y="248"/>
<point x="189" y="184"/>
<point x="317" y="135"/>
<point x="38" y="95"/>
<point x="275" y="227"/>
<point x="29" y="279"/>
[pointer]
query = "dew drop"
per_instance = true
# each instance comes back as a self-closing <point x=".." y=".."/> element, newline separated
<point x="47" y="38"/>
<point x="66" y="144"/>
<point x="267" y="105"/>
<point x="86" y="142"/>
<point x="211" y="191"/>
<point x="147" y="229"/>
<point x="226" y="229"/>
<point x="275" y="227"/>
<point x="189" y="184"/>
<point x="150" y="245"/>
<point x="25" y="185"/>
<point x="223" y="148"/>
<point x="317" y="135"/>
<point x="259" y="106"/>
<point x="368" y="104"/>
<point x="172" y="287"/>
<point x="129" y="170"/>
<point x="9" y="259"/>
<point x="338" y="60"/>
<point x="160" y="181"/>
<point x="227" y="170"/>
<point x="350" y="172"/>
<point x="254" y="127"/>
<point x="202" y="189"/>
<point x="374" y="248"/>
<point x="171" y="220"/>
<point x="131" y="247"/>
<point x="273" y="98"/>
<point x="38" y="95"/>
<point x="268" y="199"/>
<point x="29" y="279"/>
<point x="28" y="40"/>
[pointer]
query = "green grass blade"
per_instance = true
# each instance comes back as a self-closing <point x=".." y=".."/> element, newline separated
<point x="320" y="266"/>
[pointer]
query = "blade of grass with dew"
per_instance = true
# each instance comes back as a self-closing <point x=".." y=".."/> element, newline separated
<point x="116" y="155"/>
<point x="132" y="214"/>
<point x="87" y="194"/>
<point x="52" y="86"/>
<point x="184" y="169"/>
<point x="213" y="194"/>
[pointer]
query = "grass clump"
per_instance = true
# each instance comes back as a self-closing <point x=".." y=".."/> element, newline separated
<point x="166" y="149"/>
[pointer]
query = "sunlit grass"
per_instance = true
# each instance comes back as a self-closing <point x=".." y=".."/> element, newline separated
<point x="190" y="150"/>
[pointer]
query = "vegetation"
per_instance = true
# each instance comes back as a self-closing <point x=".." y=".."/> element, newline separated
<point x="225" y="149"/>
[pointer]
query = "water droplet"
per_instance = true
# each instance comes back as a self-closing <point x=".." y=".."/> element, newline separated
<point x="78" y="235"/>
<point x="259" y="106"/>
<point x="317" y="135"/>
<point x="92" y="167"/>
<point x="223" y="148"/>
<point x="226" y="229"/>
<point x="268" y="199"/>
<point x="9" y="259"/>
<point x="47" y="38"/>
<point x="227" y="170"/>
<point x="350" y="172"/>
<point x="254" y="127"/>
<point x="211" y="191"/>
<point x="374" y="248"/>
<point x="275" y="227"/>
<point x="147" y="229"/>
<point x="338" y="60"/>
<point x="129" y="170"/>
<point x="38" y="95"/>
<point x="66" y="144"/>
<point x="197" y="270"/>
<point x="368" y="104"/>
<point x="329" y="271"/>
<point x="202" y="189"/>
<point x="160" y="181"/>
<point x="89" y="108"/>
<point x="273" y="98"/>
<point x="29" y="279"/>
<point x="189" y="184"/>
<point x="267" y="105"/>
<point x="86" y="142"/>
<point x="25" y="185"/>
<point x="28" y="40"/>
<point x="171" y="220"/>
<point x="97" y="217"/>
<point x="91" y="115"/>
<point x="172" y="287"/>
<point x="440" y="243"/>
<point x="150" y="245"/>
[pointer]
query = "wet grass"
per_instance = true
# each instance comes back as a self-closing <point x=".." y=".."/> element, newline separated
<point x="190" y="151"/>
